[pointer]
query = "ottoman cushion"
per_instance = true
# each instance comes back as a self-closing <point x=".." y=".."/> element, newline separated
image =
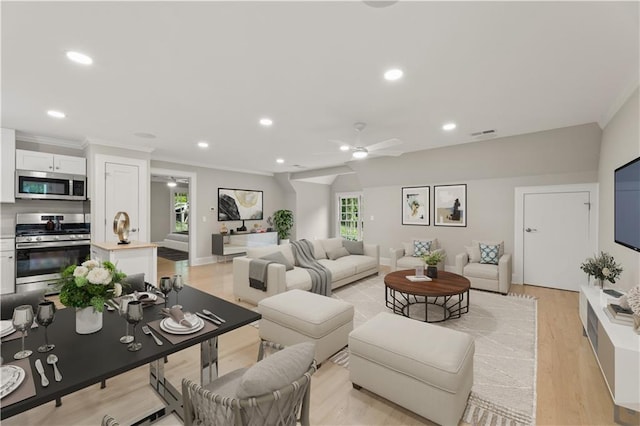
<point x="434" y="355"/>
<point x="308" y="313"/>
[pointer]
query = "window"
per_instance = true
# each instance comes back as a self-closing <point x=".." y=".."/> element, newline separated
<point x="180" y="217"/>
<point x="349" y="216"/>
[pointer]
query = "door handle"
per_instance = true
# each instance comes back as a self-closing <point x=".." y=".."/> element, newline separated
<point x="531" y="230"/>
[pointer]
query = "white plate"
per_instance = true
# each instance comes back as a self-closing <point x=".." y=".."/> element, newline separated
<point x="173" y="325"/>
<point x="184" y="330"/>
<point x="150" y="296"/>
<point x="7" y="332"/>
<point x="5" y="325"/>
<point x="12" y="377"/>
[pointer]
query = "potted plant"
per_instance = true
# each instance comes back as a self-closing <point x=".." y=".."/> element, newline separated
<point x="283" y="222"/>
<point x="602" y="267"/>
<point x="432" y="258"/>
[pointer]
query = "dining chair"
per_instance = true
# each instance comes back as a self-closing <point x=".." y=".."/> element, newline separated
<point x="274" y="391"/>
<point x="9" y="302"/>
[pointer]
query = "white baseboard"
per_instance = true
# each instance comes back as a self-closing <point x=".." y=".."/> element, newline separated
<point x="176" y="245"/>
<point x="203" y="260"/>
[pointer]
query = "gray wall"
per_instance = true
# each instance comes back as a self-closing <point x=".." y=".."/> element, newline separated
<point x="620" y="144"/>
<point x="160" y="211"/>
<point x="490" y="169"/>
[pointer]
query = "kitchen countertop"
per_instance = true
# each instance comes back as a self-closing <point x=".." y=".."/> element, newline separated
<point x="111" y="245"/>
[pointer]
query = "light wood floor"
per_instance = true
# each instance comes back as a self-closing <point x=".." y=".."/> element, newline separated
<point x="570" y="387"/>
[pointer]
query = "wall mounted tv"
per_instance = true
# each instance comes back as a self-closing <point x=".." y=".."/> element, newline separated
<point x="627" y="205"/>
<point x="239" y="204"/>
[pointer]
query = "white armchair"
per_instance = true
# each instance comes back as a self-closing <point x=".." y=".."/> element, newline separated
<point x="403" y="258"/>
<point x="491" y="271"/>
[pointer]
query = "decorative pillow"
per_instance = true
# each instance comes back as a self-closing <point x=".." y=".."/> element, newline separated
<point x="331" y="244"/>
<point x="489" y="254"/>
<point x="474" y="253"/>
<point x="133" y="282"/>
<point x="278" y="257"/>
<point x="408" y="248"/>
<point x="353" y="247"/>
<point x="421" y="247"/>
<point x="318" y="250"/>
<point x="489" y="243"/>
<point x="277" y="371"/>
<point x="337" y="253"/>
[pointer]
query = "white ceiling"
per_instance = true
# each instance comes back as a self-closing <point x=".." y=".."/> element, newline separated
<point x="209" y="70"/>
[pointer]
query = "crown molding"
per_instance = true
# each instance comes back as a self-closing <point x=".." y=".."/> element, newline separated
<point x="104" y="142"/>
<point x="47" y="140"/>
<point x="209" y="166"/>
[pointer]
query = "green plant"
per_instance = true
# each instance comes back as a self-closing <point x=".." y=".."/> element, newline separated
<point x="432" y="258"/>
<point x="283" y="221"/>
<point x="602" y="267"/>
<point x="90" y="284"/>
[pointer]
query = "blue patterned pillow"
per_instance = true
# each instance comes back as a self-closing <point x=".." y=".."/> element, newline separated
<point x="421" y="247"/>
<point x="489" y="254"/>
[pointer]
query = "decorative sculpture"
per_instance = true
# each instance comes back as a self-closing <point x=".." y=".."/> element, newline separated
<point x="121" y="227"/>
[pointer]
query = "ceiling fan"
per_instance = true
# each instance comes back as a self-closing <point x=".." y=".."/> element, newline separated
<point x="359" y="151"/>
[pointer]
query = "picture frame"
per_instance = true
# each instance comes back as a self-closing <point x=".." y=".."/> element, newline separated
<point x="450" y="205"/>
<point x="415" y="205"/>
<point x="239" y="204"/>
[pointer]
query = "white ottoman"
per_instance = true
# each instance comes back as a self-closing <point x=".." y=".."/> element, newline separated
<point x="297" y="316"/>
<point x="422" y="367"/>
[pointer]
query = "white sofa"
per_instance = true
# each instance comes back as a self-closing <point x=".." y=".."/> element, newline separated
<point x="403" y="258"/>
<point x="481" y="275"/>
<point x="344" y="270"/>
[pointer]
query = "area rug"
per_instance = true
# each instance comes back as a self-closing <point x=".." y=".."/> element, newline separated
<point x="505" y="332"/>
<point x="171" y="254"/>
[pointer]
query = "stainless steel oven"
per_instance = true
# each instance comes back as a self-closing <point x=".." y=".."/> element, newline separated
<point x="46" y="243"/>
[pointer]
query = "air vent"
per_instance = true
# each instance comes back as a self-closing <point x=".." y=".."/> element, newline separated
<point x="484" y="134"/>
<point x="298" y="166"/>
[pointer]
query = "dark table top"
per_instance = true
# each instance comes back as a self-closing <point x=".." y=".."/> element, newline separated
<point x="447" y="284"/>
<point x="88" y="359"/>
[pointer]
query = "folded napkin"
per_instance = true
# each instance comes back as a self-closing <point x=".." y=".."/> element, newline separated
<point x="177" y="315"/>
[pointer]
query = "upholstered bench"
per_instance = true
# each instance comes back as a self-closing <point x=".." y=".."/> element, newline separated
<point x="422" y="367"/>
<point x="297" y="316"/>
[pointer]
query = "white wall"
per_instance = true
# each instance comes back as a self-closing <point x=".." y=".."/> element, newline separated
<point x="312" y="213"/>
<point x="620" y="144"/>
<point x="160" y="211"/>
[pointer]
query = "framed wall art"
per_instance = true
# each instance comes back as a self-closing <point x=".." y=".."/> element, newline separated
<point x="415" y="205"/>
<point x="450" y="205"/>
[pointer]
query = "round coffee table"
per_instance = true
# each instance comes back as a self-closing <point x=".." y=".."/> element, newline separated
<point x="448" y="294"/>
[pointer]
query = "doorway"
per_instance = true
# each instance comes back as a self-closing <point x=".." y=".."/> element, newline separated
<point x="555" y="231"/>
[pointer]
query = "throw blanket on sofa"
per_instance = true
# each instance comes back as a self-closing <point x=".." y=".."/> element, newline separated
<point x="258" y="273"/>
<point x="320" y="275"/>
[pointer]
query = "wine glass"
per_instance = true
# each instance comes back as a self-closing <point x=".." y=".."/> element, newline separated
<point x="124" y="302"/>
<point x="22" y="321"/>
<point x="134" y="316"/>
<point x="177" y="286"/>
<point x="165" y="285"/>
<point x="44" y="316"/>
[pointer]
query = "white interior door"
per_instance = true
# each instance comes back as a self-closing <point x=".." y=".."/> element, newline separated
<point x="556" y="239"/>
<point x="122" y="194"/>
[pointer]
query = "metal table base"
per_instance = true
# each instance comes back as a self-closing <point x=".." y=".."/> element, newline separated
<point x="448" y="306"/>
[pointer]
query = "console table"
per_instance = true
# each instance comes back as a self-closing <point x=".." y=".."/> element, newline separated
<point x="617" y="350"/>
<point x="237" y="243"/>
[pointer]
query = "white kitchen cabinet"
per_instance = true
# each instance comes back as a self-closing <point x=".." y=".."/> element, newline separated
<point x="46" y="162"/>
<point x="7" y="266"/>
<point x="8" y="164"/>
<point x="132" y="258"/>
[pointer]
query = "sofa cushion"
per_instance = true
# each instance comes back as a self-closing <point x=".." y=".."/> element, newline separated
<point x="227" y="385"/>
<point x="409" y="262"/>
<point x="277" y="371"/>
<point x="409" y="247"/>
<point x="363" y="263"/>
<point x="489" y="254"/>
<point x="340" y="268"/>
<point x="481" y="270"/>
<point x="473" y="252"/>
<point x="285" y="249"/>
<point x="337" y="253"/>
<point x="318" y="250"/>
<point x="298" y="278"/>
<point x="278" y="257"/>
<point x="331" y="244"/>
<point x="353" y="247"/>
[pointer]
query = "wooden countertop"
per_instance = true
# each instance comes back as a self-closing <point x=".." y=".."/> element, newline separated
<point x="111" y="245"/>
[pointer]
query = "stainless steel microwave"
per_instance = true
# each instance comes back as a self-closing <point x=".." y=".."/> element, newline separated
<point x="50" y="186"/>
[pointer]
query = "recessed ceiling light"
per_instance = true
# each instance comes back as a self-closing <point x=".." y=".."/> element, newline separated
<point x="344" y="147"/>
<point x="56" y="114"/>
<point x="79" y="58"/>
<point x="145" y="135"/>
<point x="360" y="153"/>
<point x="393" y="74"/>
<point x="279" y="160"/>
<point x="266" y="121"/>
<point x="449" y="126"/>
<point x="203" y="144"/>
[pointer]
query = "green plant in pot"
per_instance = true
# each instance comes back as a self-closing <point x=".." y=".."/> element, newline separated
<point x="283" y="222"/>
<point x="432" y="258"/>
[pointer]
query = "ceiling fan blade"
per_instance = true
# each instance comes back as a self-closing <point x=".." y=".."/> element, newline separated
<point x="384" y="144"/>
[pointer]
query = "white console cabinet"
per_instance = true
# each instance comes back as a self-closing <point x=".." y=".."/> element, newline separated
<point x="617" y="350"/>
<point x="45" y="162"/>
<point x="234" y="244"/>
<point x="130" y="258"/>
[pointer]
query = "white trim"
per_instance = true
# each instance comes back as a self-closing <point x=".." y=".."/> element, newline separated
<point x="193" y="224"/>
<point x="518" y="236"/>
<point x="209" y="166"/>
<point x="47" y="140"/>
<point x="102" y="142"/>
<point x="203" y="260"/>
<point x="336" y="214"/>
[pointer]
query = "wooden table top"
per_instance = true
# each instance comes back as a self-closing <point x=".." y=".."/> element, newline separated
<point x="447" y="284"/>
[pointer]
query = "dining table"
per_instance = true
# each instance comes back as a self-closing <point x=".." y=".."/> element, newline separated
<point x="88" y="359"/>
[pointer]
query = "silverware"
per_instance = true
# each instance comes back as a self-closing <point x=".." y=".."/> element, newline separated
<point x="207" y="312"/>
<point x="109" y="307"/>
<point x="145" y="330"/>
<point x="213" y="320"/>
<point x="43" y="378"/>
<point x="52" y="359"/>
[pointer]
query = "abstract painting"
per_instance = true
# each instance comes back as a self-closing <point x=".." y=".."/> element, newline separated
<point x="415" y="205"/>
<point x="450" y="205"/>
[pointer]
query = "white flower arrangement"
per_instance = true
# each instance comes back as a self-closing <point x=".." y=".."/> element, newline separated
<point x="90" y="284"/>
<point x="602" y="267"/>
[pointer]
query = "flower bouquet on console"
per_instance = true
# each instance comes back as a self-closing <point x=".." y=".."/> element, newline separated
<point x="602" y="268"/>
<point x="90" y="284"/>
